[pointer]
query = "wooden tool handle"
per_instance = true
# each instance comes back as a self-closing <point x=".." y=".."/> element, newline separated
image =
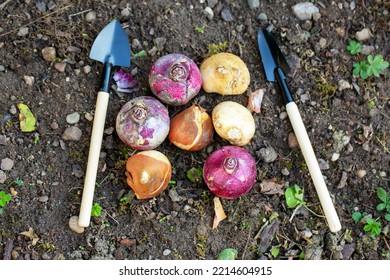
<point x="314" y="168"/>
<point x="93" y="158"/>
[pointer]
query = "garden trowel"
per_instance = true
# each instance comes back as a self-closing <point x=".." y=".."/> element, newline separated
<point x="111" y="47"/>
<point x="276" y="70"/>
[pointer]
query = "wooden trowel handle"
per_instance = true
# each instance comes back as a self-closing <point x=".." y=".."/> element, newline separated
<point x="314" y="168"/>
<point x="93" y="158"/>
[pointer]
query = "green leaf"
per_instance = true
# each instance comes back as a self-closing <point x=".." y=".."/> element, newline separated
<point x="4" y="198"/>
<point x="275" y="251"/>
<point x="291" y="201"/>
<point x="387" y="217"/>
<point x="357" y="216"/>
<point x="227" y="254"/>
<point x="381" y="207"/>
<point x="195" y="174"/>
<point x="354" y="47"/>
<point x="96" y="210"/>
<point x="382" y="195"/>
<point x="26" y="118"/>
<point x="373" y="227"/>
<point x="376" y="65"/>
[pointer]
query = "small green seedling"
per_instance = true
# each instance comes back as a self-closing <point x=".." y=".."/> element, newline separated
<point x="354" y="47"/>
<point x="385" y="204"/>
<point x="96" y="210"/>
<point x="372" y="226"/>
<point x="200" y="29"/>
<point x="194" y="174"/>
<point x="140" y="54"/>
<point x="4" y="199"/>
<point x="358" y="216"/>
<point x="294" y="198"/>
<point x="228" y="254"/>
<point x="372" y="67"/>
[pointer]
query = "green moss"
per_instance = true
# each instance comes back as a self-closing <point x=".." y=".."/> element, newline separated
<point x="217" y="48"/>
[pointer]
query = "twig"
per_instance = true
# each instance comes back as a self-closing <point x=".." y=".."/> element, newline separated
<point x="8" y="249"/>
<point x="3" y="4"/>
<point x="80" y="13"/>
<point x="387" y="244"/>
<point x="35" y="20"/>
<point x="246" y="244"/>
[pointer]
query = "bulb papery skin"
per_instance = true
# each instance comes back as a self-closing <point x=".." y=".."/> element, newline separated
<point x="148" y="173"/>
<point x="233" y="122"/>
<point x="191" y="129"/>
<point x="225" y="74"/>
<point x="230" y="172"/>
<point x="143" y="123"/>
<point x="175" y="79"/>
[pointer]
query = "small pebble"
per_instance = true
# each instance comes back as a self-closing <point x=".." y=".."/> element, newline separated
<point x="72" y="133"/>
<point x="3" y="177"/>
<point x="29" y="80"/>
<point x="60" y="66"/>
<point x="363" y="35"/>
<point x="6" y="164"/>
<point x="324" y="165"/>
<point x="212" y="3"/>
<point x="77" y="171"/>
<point x="88" y="116"/>
<point x="226" y="14"/>
<point x="343" y="84"/>
<point x="73" y="118"/>
<point x="268" y="154"/>
<point x="167" y="252"/>
<point x="361" y="173"/>
<point x="253" y="4"/>
<point x="3" y="140"/>
<point x="13" y="110"/>
<point x="54" y="125"/>
<point x="23" y="31"/>
<point x="43" y="198"/>
<point x="283" y="115"/>
<point x="305" y="10"/>
<point x="285" y="172"/>
<point x="90" y="16"/>
<point x="209" y="13"/>
<point x="292" y="141"/>
<point x="335" y="156"/>
<point x="74" y="224"/>
<point x="109" y="130"/>
<point x="87" y="69"/>
<point x="49" y="54"/>
<point x="382" y="174"/>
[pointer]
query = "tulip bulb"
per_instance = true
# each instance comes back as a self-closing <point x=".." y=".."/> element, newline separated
<point x="233" y="122"/>
<point x="148" y="173"/>
<point x="224" y="73"/>
<point x="191" y="129"/>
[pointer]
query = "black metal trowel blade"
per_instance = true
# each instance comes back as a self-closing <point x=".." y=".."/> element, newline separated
<point x="271" y="55"/>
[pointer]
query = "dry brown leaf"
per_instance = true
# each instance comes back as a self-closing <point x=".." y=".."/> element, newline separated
<point x="31" y="234"/>
<point x="219" y="213"/>
<point x="366" y="135"/>
<point x="255" y="99"/>
<point x="271" y="187"/>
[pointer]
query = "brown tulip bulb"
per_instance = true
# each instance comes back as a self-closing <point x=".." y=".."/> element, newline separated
<point x="148" y="173"/>
<point x="191" y="129"/>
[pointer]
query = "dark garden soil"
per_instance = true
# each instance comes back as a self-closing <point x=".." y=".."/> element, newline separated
<point x="347" y="119"/>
